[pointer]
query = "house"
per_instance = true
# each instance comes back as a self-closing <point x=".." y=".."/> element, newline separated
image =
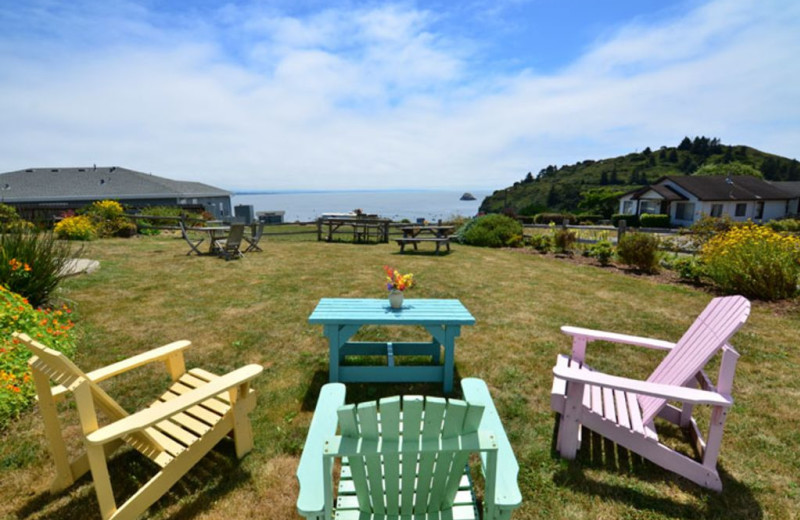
<point x="53" y="190"/>
<point x="686" y="198"/>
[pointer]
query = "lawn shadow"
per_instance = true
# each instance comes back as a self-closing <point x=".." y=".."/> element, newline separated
<point x="598" y="453"/>
<point x="215" y="475"/>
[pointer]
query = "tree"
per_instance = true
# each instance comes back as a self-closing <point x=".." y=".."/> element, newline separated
<point x="685" y="145"/>
<point x="601" y="201"/>
<point x="673" y="156"/>
<point x="603" y="178"/>
<point x="732" y="169"/>
<point x="528" y="178"/>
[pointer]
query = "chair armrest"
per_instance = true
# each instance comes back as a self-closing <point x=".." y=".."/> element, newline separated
<point x="310" y="475"/>
<point x="678" y="393"/>
<point x="159" y="412"/>
<point x="156" y="354"/>
<point x="592" y="335"/>
<point x="507" y="494"/>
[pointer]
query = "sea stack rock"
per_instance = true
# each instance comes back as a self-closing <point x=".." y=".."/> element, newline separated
<point x="467" y="196"/>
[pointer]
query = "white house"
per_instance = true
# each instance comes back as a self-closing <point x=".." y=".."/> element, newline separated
<point x="687" y="198"/>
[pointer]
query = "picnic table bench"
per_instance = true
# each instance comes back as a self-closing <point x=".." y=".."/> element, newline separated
<point x="439" y="241"/>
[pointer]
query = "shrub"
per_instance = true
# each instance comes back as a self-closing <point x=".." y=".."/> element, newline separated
<point x="557" y="218"/>
<point x="52" y="328"/>
<point x="791" y="225"/>
<point x="754" y="261"/>
<point x="492" y="231"/>
<point x="108" y="218"/>
<point x="31" y="263"/>
<point x="630" y="220"/>
<point x="602" y="251"/>
<point x="706" y="227"/>
<point x="76" y="228"/>
<point x="639" y="250"/>
<point x="106" y="210"/>
<point x="654" y="220"/>
<point x="564" y="240"/>
<point x="689" y="268"/>
<point x="590" y="218"/>
<point x="540" y="243"/>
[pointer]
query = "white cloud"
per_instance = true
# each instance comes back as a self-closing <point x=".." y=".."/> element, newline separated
<point x="374" y="97"/>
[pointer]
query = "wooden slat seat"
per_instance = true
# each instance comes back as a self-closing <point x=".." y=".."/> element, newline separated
<point x="614" y="406"/>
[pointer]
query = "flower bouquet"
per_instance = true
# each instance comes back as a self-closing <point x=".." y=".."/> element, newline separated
<point x="396" y="283"/>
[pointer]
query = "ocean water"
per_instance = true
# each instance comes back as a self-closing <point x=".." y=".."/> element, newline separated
<point x="431" y="205"/>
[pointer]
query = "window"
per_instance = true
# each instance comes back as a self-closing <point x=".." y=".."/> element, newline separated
<point x="759" y="214"/>
<point x="684" y="211"/>
<point x="649" y="206"/>
<point x="627" y="207"/>
<point x="716" y="210"/>
<point x="741" y="209"/>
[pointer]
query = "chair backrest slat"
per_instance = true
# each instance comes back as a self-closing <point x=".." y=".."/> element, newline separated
<point x="412" y="426"/>
<point x="708" y="334"/>
<point x="390" y="437"/>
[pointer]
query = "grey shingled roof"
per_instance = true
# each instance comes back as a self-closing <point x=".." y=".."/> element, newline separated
<point x="790" y="187"/>
<point x="741" y="187"/>
<point x="96" y="183"/>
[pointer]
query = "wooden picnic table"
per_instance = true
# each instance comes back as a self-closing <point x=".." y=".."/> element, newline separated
<point x="439" y="235"/>
<point x="343" y="317"/>
<point x="364" y="228"/>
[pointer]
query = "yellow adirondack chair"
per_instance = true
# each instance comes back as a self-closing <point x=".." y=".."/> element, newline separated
<point x="175" y="432"/>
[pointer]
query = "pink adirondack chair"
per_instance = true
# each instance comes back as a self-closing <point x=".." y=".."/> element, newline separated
<point x="623" y="410"/>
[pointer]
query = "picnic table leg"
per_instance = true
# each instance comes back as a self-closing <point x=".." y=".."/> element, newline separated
<point x="334" y="343"/>
<point x="450" y="334"/>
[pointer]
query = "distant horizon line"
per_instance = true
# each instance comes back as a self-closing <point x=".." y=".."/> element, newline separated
<point x="362" y="190"/>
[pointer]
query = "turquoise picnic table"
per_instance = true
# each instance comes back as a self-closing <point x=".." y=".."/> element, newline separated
<point x="343" y="317"/>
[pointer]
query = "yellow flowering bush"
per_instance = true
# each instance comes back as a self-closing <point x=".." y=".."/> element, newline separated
<point x="79" y="227"/>
<point x="754" y="261"/>
<point x="51" y="327"/>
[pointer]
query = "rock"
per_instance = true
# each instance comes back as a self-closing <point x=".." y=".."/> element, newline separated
<point x="467" y="196"/>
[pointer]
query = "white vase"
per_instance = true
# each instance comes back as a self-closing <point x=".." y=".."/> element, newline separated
<point x="396" y="299"/>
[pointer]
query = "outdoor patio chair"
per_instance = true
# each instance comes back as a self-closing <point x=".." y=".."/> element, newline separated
<point x="193" y="242"/>
<point x="255" y="238"/>
<point x="406" y="458"/>
<point x="175" y="432"/>
<point x="229" y="247"/>
<point x="623" y="410"/>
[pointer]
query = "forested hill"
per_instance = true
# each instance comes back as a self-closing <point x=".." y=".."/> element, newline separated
<point x="593" y="186"/>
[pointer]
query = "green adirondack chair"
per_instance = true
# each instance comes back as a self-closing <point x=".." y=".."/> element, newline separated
<point x="406" y="458"/>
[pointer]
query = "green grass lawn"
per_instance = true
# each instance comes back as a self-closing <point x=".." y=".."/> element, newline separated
<point x="148" y="293"/>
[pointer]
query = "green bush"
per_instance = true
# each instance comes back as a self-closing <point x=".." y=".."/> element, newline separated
<point x="492" y="231"/>
<point x="590" y="218"/>
<point x="557" y="218"/>
<point x="706" y="227"/>
<point x="754" y="261"/>
<point x="79" y="227"/>
<point x="50" y="327"/>
<point x="790" y="225"/>
<point x="540" y="243"/>
<point x="602" y="251"/>
<point x="31" y="263"/>
<point x="564" y="240"/>
<point x="639" y="250"/>
<point x="689" y="268"/>
<point x="654" y="220"/>
<point x="630" y="220"/>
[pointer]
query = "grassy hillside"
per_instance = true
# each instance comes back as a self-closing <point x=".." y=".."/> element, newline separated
<point x="593" y="186"/>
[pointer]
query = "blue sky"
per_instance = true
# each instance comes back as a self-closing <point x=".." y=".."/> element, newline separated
<point x="438" y="94"/>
